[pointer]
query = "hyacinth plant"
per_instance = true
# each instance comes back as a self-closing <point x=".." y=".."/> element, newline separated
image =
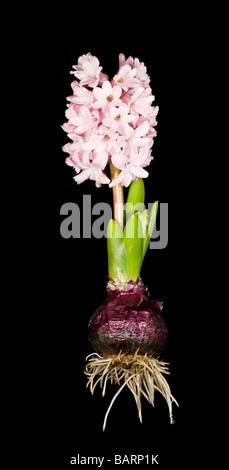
<point x="111" y="127"/>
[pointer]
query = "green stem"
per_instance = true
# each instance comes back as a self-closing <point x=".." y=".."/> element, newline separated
<point x="118" y="197"/>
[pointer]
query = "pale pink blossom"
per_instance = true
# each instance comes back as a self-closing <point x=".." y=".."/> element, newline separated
<point x="153" y="116"/>
<point x="118" y="118"/>
<point x="124" y="178"/>
<point x="141" y="102"/>
<point x="73" y="159"/>
<point x="85" y="159"/>
<point x="131" y="166"/>
<point x="134" y="137"/>
<point x="71" y="110"/>
<point x="93" y="173"/>
<point x="92" y="168"/>
<point x="87" y="165"/>
<point x="85" y="121"/>
<point x="127" y="95"/>
<point x="104" y="140"/>
<point x="87" y="70"/>
<point x="107" y="96"/>
<point x="141" y="156"/>
<point x="70" y="147"/>
<point x="82" y="96"/>
<point x="74" y="84"/>
<point x="141" y="71"/>
<point x="70" y="129"/>
<point x="126" y="77"/>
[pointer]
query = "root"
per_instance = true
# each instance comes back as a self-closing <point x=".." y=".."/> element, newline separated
<point x="141" y="374"/>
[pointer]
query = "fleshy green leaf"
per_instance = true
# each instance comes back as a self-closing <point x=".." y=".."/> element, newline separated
<point x="143" y="218"/>
<point x="152" y="220"/>
<point x="135" y="198"/>
<point x="117" y="258"/>
<point x="133" y="242"/>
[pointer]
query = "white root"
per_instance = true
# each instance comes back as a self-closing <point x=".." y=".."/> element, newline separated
<point x="142" y="374"/>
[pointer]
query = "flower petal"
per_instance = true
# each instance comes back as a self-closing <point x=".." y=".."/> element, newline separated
<point x="98" y="93"/>
<point x="117" y="180"/>
<point x="127" y="180"/>
<point x="84" y="175"/>
<point x="137" y="158"/>
<point x="142" y="129"/>
<point x="85" y="113"/>
<point x="88" y="67"/>
<point x="117" y="91"/>
<point x="91" y="144"/>
<point x="98" y="104"/>
<point x="107" y="88"/>
<point x="119" y="160"/>
<point x="139" y="171"/>
<point x="101" y="160"/>
<point x="121" y="59"/>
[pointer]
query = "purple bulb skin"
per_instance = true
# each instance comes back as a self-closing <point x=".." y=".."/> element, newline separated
<point x="128" y="321"/>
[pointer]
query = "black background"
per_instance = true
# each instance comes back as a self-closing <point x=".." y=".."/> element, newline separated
<point x="68" y="277"/>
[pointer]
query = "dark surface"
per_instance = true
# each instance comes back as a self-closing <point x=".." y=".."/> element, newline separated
<point x="67" y="277"/>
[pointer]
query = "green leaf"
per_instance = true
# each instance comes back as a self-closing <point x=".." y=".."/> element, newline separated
<point x="143" y="218"/>
<point x="117" y="258"/>
<point x="133" y="242"/>
<point x="152" y="220"/>
<point x="135" y="198"/>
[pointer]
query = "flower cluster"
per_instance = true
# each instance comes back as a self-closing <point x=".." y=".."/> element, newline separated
<point x="110" y="120"/>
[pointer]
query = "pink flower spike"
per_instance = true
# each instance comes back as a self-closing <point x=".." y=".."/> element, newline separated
<point x="114" y="119"/>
